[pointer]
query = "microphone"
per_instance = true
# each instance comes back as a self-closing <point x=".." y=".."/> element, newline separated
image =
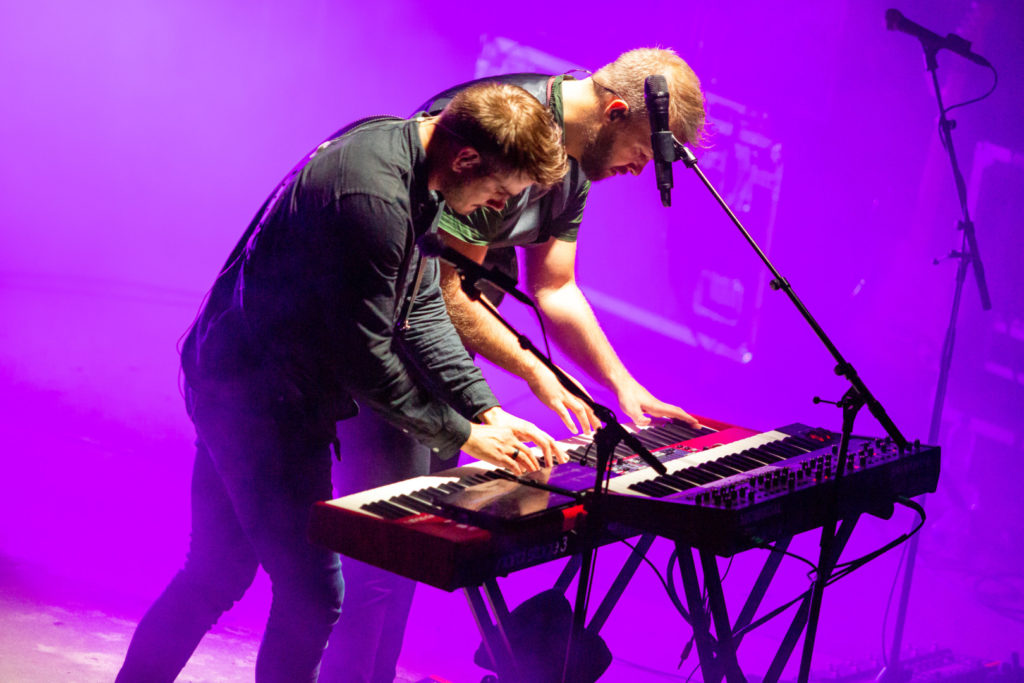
<point x="895" y="21"/>
<point x="432" y="246"/>
<point x="662" y="141"/>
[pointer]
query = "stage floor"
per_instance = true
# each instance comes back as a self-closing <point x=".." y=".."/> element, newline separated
<point x="57" y="629"/>
<point x="95" y="521"/>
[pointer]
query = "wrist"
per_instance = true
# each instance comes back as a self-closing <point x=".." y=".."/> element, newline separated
<point x="535" y="372"/>
<point x="490" y="415"/>
<point x="624" y="385"/>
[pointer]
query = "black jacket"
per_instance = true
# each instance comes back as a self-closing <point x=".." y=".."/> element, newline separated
<point x="306" y="311"/>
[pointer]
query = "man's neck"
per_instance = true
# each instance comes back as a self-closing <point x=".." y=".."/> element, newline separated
<point x="427" y="127"/>
<point x="581" y="112"/>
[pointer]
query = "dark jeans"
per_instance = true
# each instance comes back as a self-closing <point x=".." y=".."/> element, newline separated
<point x="367" y="639"/>
<point x="258" y="470"/>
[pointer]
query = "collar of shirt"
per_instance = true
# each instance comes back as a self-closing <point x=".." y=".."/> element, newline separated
<point x="424" y="202"/>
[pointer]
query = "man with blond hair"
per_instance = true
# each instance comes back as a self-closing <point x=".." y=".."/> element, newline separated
<point x="606" y="133"/>
<point x="326" y="304"/>
<point x="604" y="123"/>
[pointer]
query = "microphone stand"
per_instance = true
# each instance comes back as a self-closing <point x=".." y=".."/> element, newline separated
<point x="606" y="438"/>
<point x="967" y="256"/>
<point x="855" y="397"/>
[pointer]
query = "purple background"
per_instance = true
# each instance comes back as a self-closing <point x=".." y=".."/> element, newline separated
<point x="138" y="138"/>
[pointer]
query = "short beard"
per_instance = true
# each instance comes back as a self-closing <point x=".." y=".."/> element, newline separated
<point x="597" y="148"/>
<point x="455" y="188"/>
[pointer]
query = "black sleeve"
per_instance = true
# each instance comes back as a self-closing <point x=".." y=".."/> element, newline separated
<point x="376" y="234"/>
<point x="432" y="340"/>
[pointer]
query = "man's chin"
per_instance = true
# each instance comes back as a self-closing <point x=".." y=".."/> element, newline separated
<point x="463" y="210"/>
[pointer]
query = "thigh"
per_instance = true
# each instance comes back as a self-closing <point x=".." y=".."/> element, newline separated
<point x="374" y="452"/>
<point x="219" y="548"/>
<point x="273" y="469"/>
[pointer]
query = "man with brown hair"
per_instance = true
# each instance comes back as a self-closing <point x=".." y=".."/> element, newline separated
<point x="326" y="303"/>
<point x="605" y="130"/>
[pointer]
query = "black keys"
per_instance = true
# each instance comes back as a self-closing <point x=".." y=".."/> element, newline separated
<point x="675" y="431"/>
<point x="657" y="489"/>
<point x="686" y="478"/>
<point x="422" y="500"/>
<point x="654" y="437"/>
<point x="714" y="470"/>
<point x="726" y="466"/>
<point x="386" y="510"/>
<point x="650" y="440"/>
<point x="413" y="503"/>
<point x="742" y="462"/>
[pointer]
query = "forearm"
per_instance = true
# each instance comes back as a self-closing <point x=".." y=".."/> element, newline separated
<point x="575" y="329"/>
<point x="482" y="333"/>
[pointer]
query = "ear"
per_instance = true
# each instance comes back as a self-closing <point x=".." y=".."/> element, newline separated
<point x="466" y="159"/>
<point x="616" y="110"/>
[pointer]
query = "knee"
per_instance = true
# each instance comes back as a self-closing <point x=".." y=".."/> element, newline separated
<point x="220" y="585"/>
<point x="332" y="597"/>
<point x="314" y="598"/>
<point x="367" y="585"/>
<point x="327" y="601"/>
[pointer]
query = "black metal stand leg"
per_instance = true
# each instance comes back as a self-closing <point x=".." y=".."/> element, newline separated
<point x="894" y="672"/>
<point x="572" y="567"/>
<point x="718" y="653"/>
<point x="492" y="633"/>
<point x="618" y="586"/>
<point x="492" y="630"/>
<point x="832" y="548"/>
<point x="579" y="613"/>
<point x="796" y="627"/>
<point x="623" y="578"/>
<point x="698" y="618"/>
<point x="720" y="616"/>
<point x="968" y="256"/>
<point x="757" y="593"/>
<point x="817" y="592"/>
<point x="800" y="619"/>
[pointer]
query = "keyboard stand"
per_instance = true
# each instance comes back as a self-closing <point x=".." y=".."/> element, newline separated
<point x="491" y="612"/>
<point x="492" y="627"/>
<point x="718" y="653"/>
